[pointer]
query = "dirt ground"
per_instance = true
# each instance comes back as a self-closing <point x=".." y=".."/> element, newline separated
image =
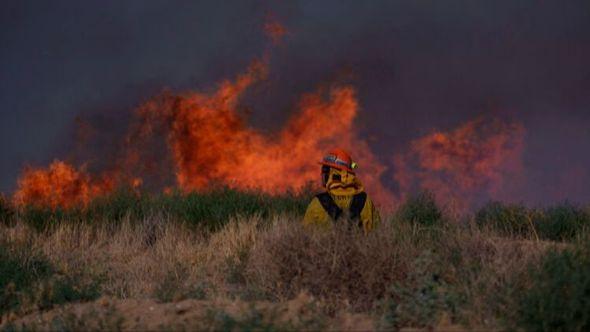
<point x="149" y="315"/>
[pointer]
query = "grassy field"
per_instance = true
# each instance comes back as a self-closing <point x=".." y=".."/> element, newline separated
<point x="229" y="260"/>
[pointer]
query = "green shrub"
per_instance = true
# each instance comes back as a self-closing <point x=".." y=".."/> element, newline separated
<point x="28" y="277"/>
<point x="559" y="295"/>
<point x="562" y="222"/>
<point x="213" y="209"/>
<point x="40" y="218"/>
<point x="20" y="269"/>
<point x="421" y="209"/>
<point x="210" y="210"/>
<point x="6" y="211"/>
<point x="63" y="289"/>
<point x="506" y="219"/>
<point x="558" y="223"/>
<point x="114" y="207"/>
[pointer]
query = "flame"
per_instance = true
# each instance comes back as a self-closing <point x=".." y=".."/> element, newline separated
<point x="60" y="185"/>
<point x="209" y="143"/>
<point x="475" y="158"/>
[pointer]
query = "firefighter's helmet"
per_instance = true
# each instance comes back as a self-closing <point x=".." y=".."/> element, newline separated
<point x="340" y="159"/>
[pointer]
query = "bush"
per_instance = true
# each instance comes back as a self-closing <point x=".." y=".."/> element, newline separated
<point x="174" y="286"/>
<point x="40" y="218"/>
<point x="341" y="266"/>
<point x="210" y="210"/>
<point x="559" y="294"/>
<point x="6" y="211"/>
<point x="558" y="223"/>
<point x="562" y="222"/>
<point x="506" y="219"/>
<point x="63" y="289"/>
<point x="421" y="209"/>
<point x="215" y="208"/>
<point x="27" y="277"/>
<point x="421" y="299"/>
<point x="20" y="268"/>
<point x="114" y="207"/>
<point x="111" y="209"/>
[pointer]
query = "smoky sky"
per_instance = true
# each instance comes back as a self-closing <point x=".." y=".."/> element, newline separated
<point x="417" y="66"/>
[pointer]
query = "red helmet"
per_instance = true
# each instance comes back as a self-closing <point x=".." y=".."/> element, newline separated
<point x="339" y="159"/>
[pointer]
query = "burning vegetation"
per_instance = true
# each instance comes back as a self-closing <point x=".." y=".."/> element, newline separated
<point x="59" y="185"/>
<point x="209" y="144"/>
<point x="473" y="159"/>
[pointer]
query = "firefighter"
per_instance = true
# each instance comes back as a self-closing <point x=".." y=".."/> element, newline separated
<point x="344" y="199"/>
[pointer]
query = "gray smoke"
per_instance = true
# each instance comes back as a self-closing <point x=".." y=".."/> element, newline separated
<point x="417" y="65"/>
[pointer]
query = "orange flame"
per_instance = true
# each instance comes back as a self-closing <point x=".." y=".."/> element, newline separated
<point x="60" y="185"/>
<point x="210" y="144"/>
<point x="476" y="157"/>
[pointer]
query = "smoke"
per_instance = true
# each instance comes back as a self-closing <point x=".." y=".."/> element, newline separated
<point x="209" y="143"/>
<point x="275" y="30"/>
<point x="412" y="69"/>
<point x="466" y="165"/>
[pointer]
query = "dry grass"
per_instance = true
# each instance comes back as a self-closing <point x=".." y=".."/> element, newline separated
<point x="341" y="266"/>
<point x="468" y="273"/>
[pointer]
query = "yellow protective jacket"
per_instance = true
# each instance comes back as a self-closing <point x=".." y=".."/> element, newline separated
<point x="342" y="193"/>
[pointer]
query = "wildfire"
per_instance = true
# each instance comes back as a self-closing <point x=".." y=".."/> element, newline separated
<point x="60" y="185"/>
<point x="208" y="143"/>
<point x="458" y="165"/>
<point x="211" y="144"/>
